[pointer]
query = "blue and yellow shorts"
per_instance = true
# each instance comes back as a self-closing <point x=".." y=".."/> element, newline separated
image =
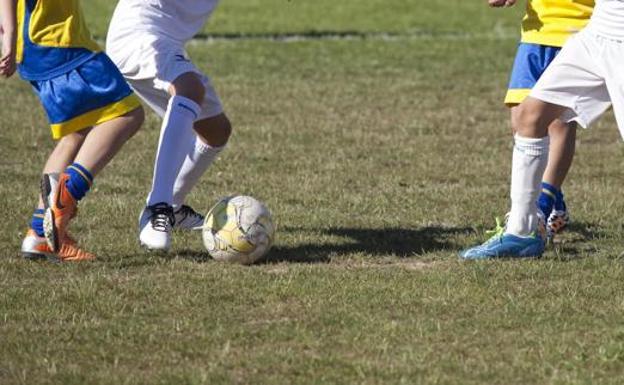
<point x="531" y="62"/>
<point x="90" y="94"/>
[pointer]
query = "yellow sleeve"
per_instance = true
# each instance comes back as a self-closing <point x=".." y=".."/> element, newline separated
<point x="60" y="23"/>
<point x="19" y="46"/>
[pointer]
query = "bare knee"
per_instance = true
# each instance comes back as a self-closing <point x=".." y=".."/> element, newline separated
<point x="215" y="131"/>
<point x="190" y="86"/>
<point x="526" y="122"/>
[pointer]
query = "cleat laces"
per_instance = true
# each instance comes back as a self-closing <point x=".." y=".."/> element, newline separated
<point x="497" y="232"/>
<point x="162" y="218"/>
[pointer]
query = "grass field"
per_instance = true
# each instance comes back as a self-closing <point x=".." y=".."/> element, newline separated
<point x="381" y="154"/>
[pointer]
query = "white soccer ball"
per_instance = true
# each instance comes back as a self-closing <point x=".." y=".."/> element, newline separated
<point x="238" y="229"/>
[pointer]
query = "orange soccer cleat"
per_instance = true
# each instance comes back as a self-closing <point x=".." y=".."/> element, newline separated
<point x="60" y="208"/>
<point x="36" y="247"/>
<point x="70" y="252"/>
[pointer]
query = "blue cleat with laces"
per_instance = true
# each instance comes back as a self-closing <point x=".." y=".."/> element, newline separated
<point x="502" y="245"/>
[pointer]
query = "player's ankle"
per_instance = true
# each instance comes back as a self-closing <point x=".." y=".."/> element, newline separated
<point x="547" y="197"/>
<point x="79" y="180"/>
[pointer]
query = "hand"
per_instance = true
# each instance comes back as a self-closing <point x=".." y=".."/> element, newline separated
<point x="7" y="66"/>
<point x="7" y="60"/>
<point x="501" y="3"/>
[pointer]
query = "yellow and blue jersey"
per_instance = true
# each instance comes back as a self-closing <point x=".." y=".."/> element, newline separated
<point x="552" y="22"/>
<point x="77" y="84"/>
<point x="546" y="27"/>
<point x="52" y="38"/>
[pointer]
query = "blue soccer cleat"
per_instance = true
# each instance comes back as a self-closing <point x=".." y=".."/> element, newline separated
<point x="507" y="245"/>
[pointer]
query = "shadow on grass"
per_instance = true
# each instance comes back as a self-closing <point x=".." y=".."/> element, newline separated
<point x="389" y="241"/>
<point x="584" y="231"/>
<point x="399" y="242"/>
<point x="576" y="241"/>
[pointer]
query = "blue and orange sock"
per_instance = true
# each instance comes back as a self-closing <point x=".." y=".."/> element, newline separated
<point x="79" y="182"/>
<point x="36" y="222"/>
<point x="547" y="198"/>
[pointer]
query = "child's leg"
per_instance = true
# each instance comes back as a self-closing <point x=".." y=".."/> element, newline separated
<point x="102" y="142"/>
<point x="550" y="201"/>
<point x="561" y="153"/>
<point x="187" y="94"/>
<point x="34" y="244"/>
<point x="157" y="219"/>
<point x="529" y="162"/>
<point x="562" y="147"/>
<point x="212" y="136"/>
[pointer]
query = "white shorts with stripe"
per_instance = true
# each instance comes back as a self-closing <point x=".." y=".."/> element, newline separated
<point x="151" y="63"/>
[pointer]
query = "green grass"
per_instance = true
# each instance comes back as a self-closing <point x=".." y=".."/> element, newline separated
<point x="380" y="160"/>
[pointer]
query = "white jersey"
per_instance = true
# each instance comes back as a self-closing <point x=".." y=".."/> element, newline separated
<point x="178" y="20"/>
<point x="608" y="19"/>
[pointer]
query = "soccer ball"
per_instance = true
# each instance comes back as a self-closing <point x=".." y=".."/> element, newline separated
<point x="238" y="229"/>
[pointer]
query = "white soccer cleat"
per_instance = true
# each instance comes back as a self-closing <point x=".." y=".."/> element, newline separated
<point x="188" y="219"/>
<point x="155" y="226"/>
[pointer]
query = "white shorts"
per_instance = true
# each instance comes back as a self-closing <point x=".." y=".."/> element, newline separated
<point x="150" y="64"/>
<point x="587" y="78"/>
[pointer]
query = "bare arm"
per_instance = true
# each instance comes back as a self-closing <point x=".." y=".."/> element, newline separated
<point x="8" y="33"/>
<point x="501" y="3"/>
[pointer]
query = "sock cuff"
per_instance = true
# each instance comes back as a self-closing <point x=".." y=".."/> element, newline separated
<point x="186" y="104"/>
<point x="550" y="190"/>
<point x="204" y="148"/>
<point x="38" y="212"/>
<point x="82" y="171"/>
<point x="532" y="146"/>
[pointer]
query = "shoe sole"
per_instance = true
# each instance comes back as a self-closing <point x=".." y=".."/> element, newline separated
<point x="49" y="229"/>
<point x="153" y="249"/>
<point x="34" y="256"/>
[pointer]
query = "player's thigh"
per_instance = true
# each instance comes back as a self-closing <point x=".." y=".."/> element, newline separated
<point x="155" y="98"/>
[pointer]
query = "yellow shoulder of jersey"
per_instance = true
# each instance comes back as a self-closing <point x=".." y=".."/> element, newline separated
<point x="552" y="22"/>
<point x="60" y="23"/>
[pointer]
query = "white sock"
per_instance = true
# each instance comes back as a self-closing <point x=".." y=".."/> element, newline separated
<point x="176" y="132"/>
<point x="530" y="157"/>
<point x="199" y="157"/>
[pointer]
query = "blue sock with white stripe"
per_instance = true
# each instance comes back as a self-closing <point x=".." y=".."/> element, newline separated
<point x="547" y="198"/>
<point x="36" y="222"/>
<point x="79" y="182"/>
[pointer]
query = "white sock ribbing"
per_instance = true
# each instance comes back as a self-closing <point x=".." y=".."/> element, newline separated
<point x="175" y="133"/>
<point x="530" y="157"/>
<point x="199" y="157"/>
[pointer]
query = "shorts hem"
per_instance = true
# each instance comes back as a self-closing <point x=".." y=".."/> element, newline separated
<point x="572" y="115"/>
<point x="516" y="95"/>
<point x="95" y="117"/>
